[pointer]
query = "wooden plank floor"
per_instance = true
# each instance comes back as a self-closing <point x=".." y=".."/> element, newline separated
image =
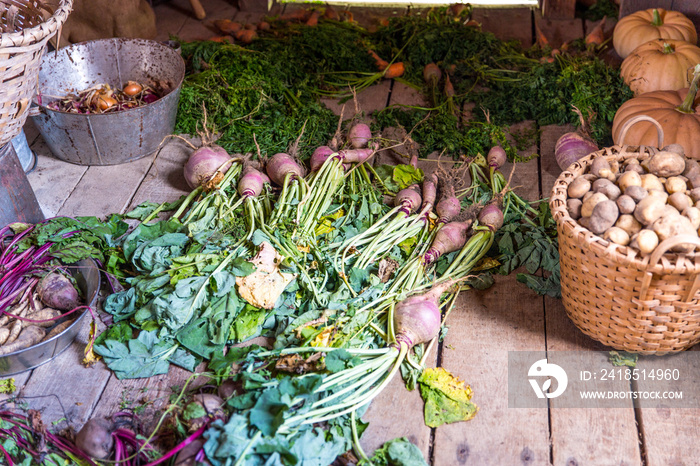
<point x="484" y="326"/>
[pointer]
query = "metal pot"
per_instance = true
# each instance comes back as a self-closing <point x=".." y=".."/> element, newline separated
<point x="109" y="138"/>
<point x="87" y="277"/>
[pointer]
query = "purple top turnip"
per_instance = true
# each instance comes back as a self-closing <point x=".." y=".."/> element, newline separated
<point x="282" y="164"/>
<point x="359" y="135"/>
<point x="204" y="163"/>
<point x="319" y="157"/>
<point x="417" y="318"/>
<point x="252" y="182"/>
<point x="408" y="199"/>
<point x="496" y="157"/>
<point x="449" y="238"/>
<point x="491" y="216"/>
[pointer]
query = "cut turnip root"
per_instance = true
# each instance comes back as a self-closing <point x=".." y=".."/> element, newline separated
<point x="263" y="287"/>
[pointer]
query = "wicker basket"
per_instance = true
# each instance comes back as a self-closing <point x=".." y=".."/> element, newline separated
<point x="25" y="32"/>
<point x="645" y="304"/>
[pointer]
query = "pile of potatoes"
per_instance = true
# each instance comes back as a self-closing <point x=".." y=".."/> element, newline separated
<point x="639" y="204"/>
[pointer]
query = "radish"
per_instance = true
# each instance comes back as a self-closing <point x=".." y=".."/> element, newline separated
<point x="281" y="165"/>
<point x="572" y="146"/>
<point x="320" y="155"/>
<point x="496" y="157"/>
<point x="356" y="155"/>
<point x="407" y="199"/>
<point x="449" y="238"/>
<point x="491" y="216"/>
<point x="359" y="135"/>
<point x="417" y="319"/>
<point x="430" y="183"/>
<point x="252" y="182"/>
<point x="204" y="163"/>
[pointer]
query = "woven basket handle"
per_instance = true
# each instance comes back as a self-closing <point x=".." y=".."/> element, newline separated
<point x="631" y="122"/>
<point x="656" y="256"/>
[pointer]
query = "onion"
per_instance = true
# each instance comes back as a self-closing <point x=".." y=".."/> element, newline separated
<point x="204" y="163"/>
<point x="359" y="135"/>
<point x="282" y="164"/>
<point x="132" y="88"/>
<point x="491" y="216"/>
<point x="319" y="157"/>
<point x="573" y="146"/>
<point x="496" y="157"/>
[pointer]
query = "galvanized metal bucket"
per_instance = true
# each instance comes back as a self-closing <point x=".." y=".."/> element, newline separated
<point x="87" y="277"/>
<point x="17" y="200"/>
<point x="109" y="138"/>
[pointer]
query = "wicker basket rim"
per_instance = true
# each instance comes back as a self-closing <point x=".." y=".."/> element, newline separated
<point x="669" y="264"/>
<point x="39" y="32"/>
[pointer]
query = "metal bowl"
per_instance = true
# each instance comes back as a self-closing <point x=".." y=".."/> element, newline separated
<point x="108" y="138"/>
<point x="87" y="276"/>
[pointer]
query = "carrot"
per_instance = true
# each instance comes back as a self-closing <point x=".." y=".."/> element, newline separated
<point x="449" y="88"/>
<point x="226" y="26"/>
<point x="348" y="16"/>
<point x="221" y="39"/>
<point x="264" y="26"/>
<point x="313" y="19"/>
<point x="432" y="73"/>
<point x="596" y="37"/>
<point x="381" y="64"/>
<point x="330" y="13"/>
<point x="394" y="70"/>
<point x="247" y="36"/>
<point x="542" y="40"/>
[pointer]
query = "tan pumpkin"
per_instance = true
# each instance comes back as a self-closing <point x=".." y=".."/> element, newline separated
<point x="678" y="112"/>
<point x="645" y="25"/>
<point x="660" y="65"/>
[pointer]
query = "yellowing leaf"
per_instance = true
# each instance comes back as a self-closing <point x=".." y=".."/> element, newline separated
<point x="90" y="356"/>
<point x="485" y="264"/>
<point x="447" y="399"/>
<point x="323" y="338"/>
<point x="306" y="249"/>
<point x="326" y="223"/>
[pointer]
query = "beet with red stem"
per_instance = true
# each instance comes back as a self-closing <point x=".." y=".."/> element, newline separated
<point x="95" y="438"/>
<point x="56" y="291"/>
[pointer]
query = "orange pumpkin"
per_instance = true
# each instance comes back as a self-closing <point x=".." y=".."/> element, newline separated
<point x="656" y="23"/>
<point x="678" y="112"/>
<point x="659" y="65"/>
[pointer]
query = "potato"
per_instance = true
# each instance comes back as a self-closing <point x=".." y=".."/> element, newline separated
<point x="694" y="182"/>
<point x="694" y="194"/>
<point x="591" y="202"/>
<point x="601" y="168"/>
<point x="635" y="168"/>
<point x="675" y="148"/>
<point x="587" y="196"/>
<point x="629" y="224"/>
<point x="658" y="193"/>
<point x="629" y="179"/>
<point x="666" y="163"/>
<point x="646" y="241"/>
<point x="680" y="201"/>
<point x="617" y="235"/>
<point x="650" y="181"/>
<point x="668" y="226"/>
<point x="649" y="209"/>
<point x="573" y="206"/>
<point x="670" y="210"/>
<point x="604" y="216"/>
<point x="615" y="167"/>
<point x="578" y="187"/>
<point x="675" y="184"/>
<point x="693" y="214"/>
<point x="626" y="204"/>
<point x="585" y="222"/>
<point x="692" y="169"/>
<point x="637" y="193"/>
<point x="606" y="187"/>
